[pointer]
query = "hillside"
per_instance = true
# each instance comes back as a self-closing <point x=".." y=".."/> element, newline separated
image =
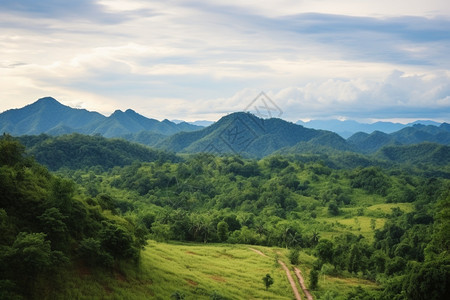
<point x="49" y="116"/>
<point x="368" y="231"/>
<point x="76" y="151"/>
<point x="48" y="227"/>
<point x="424" y="153"/>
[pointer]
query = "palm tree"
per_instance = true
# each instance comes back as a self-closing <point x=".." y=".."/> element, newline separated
<point x="315" y="237"/>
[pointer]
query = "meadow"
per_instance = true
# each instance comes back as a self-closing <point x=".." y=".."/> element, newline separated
<point x="199" y="271"/>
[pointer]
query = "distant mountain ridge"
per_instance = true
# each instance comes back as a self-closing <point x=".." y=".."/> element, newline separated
<point x="418" y="133"/>
<point x="236" y="133"/>
<point x="347" y="128"/>
<point x="47" y="115"/>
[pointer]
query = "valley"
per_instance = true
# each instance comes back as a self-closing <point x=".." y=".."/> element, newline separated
<point x="117" y="219"/>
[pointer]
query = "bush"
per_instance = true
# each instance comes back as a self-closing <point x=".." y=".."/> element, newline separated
<point x="293" y="256"/>
<point x="313" y="279"/>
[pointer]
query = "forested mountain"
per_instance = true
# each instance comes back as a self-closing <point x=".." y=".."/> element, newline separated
<point x="369" y="143"/>
<point x="49" y="116"/>
<point x="424" y="153"/>
<point x="328" y="143"/>
<point x="241" y="133"/>
<point x="129" y="122"/>
<point x="247" y="134"/>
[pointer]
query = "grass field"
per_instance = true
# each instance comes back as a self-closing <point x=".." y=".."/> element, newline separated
<point x="233" y="271"/>
<point x="198" y="271"/>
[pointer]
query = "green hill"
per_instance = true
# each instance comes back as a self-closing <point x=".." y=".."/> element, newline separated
<point x="76" y="151"/>
<point x="147" y="138"/>
<point x="48" y="228"/>
<point x="424" y="153"/>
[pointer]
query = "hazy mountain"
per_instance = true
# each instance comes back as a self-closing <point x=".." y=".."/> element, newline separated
<point x="415" y="134"/>
<point x="241" y="133"/>
<point x="349" y="127"/>
<point x="121" y="123"/>
<point x="49" y="116"/>
<point x="203" y="123"/>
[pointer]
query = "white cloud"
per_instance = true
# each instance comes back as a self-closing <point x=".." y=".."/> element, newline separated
<point x="343" y="7"/>
<point x="199" y="60"/>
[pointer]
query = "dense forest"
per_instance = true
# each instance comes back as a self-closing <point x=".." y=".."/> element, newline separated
<point x="48" y="225"/>
<point x="384" y="218"/>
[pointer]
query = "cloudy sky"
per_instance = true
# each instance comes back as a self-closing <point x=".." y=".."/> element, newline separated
<point x="199" y="60"/>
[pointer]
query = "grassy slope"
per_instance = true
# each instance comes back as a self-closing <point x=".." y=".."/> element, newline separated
<point x="197" y="270"/>
<point x="234" y="271"/>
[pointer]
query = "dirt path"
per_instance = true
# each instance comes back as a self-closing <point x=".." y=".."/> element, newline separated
<point x="298" y="273"/>
<point x="259" y="252"/>
<point x="291" y="280"/>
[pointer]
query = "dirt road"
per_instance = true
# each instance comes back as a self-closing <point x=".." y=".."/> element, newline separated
<point x="291" y="280"/>
<point x="259" y="252"/>
<point x="298" y="273"/>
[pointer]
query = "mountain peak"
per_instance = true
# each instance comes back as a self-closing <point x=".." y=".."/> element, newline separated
<point x="117" y="112"/>
<point x="130" y="111"/>
<point x="47" y="101"/>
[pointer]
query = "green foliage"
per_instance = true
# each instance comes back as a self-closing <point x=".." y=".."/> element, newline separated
<point x="90" y="250"/>
<point x="313" y="279"/>
<point x="222" y="231"/>
<point x="45" y="222"/>
<point x="268" y="281"/>
<point x="430" y="280"/>
<point x="101" y="218"/>
<point x="52" y="222"/>
<point x="354" y="262"/>
<point x="333" y="209"/>
<point x="216" y="296"/>
<point x="76" y="151"/>
<point x="177" y="295"/>
<point x="359" y="294"/>
<point x="372" y="180"/>
<point x="324" y="250"/>
<point x="423" y="153"/>
<point x="117" y="241"/>
<point x="11" y="151"/>
<point x="31" y="253"/>
<point x="294" y="256"/>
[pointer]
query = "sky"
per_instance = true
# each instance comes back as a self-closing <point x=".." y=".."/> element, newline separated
<point x="200" y="60"/>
